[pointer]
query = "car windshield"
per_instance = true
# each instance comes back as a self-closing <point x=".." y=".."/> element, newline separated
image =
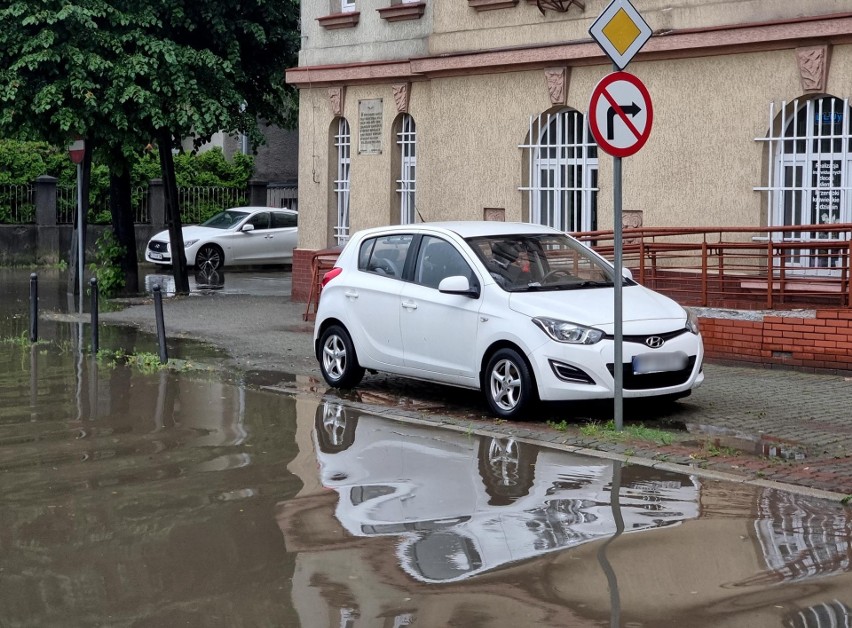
<point x="225" y="219"/>
<point x="538" y="262"/>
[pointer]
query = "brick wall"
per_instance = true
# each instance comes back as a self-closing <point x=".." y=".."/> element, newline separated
<point x="301" y="275"/>
<point x="820" y="343"/>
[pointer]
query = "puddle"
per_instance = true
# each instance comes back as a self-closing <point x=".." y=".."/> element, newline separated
<point x="722" y="439"/>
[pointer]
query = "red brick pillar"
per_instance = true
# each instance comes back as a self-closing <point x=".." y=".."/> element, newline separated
<point x="301" y="275"/>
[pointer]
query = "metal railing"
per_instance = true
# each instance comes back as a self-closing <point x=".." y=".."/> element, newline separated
<point x="198" y="203"/>
<point x="739" y="267"/>
<point x="17" y="204"/>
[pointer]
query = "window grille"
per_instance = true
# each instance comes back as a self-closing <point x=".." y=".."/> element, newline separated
<point x="809" y="168"/>
<point x="562" y="163"/>
<point x="406" y="139"/>
<point x="343" y="142"/>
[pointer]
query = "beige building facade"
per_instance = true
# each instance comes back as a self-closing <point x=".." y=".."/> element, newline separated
<point x="472" y="109"/>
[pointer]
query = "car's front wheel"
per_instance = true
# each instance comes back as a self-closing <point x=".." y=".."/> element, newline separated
<point x="209" y="257"/>
<point x="509" y="387"/>
<point x="338" y="361"/>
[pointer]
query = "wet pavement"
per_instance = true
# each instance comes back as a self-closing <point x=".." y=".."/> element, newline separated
<point x="250" y="497"/>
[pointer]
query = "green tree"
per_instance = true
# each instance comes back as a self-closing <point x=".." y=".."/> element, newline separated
<point x="126" y="73"/>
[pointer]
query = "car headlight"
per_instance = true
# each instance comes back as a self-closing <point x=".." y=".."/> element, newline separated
<point x="692" y="321"/>
<point x="565" y="331"/>
<point x="188" y="243"/>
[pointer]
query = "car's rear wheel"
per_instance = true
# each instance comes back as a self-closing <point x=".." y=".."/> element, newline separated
<point x="338" y="361"/>
<point x="209" y="257"/>
<point x="509" y="386"/>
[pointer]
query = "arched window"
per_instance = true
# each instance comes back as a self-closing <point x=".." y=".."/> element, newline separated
<point x="810" y="158"/>
<point x="342" y="142"/>
<point x="562" y="176"/>
<point x="406" y="183"/>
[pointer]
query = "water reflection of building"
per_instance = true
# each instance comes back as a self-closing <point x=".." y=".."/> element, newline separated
<point x="710" y="570"/>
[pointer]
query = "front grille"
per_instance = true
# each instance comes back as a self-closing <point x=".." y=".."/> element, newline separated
<point x="640" y="339"/>
<point x="158" y="247"/>
<point x="650" y="381"/>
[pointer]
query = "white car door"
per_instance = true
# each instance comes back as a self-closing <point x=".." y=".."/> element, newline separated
<point x="372" y="301"/>
<point x="439" y="330"/>
<point x="283" y="237"/>
<point x="255" y="246"/>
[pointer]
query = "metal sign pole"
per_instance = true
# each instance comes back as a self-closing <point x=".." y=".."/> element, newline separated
<point x="617" y="360"/>
<point x="80" y="227"/>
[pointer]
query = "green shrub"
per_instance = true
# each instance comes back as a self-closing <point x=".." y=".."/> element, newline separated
<point x="106" y="267"/>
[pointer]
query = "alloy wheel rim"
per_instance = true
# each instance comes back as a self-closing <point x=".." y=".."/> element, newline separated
<point x="334" y="357"/>
<point x="505" y="385"/>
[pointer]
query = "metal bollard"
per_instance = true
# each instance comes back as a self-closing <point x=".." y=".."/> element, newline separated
<point x="93" y="282"/>
<point x="33" y="307"/>
<point x="161" y="325"/>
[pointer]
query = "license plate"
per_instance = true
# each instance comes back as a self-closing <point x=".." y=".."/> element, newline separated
<point x="659" y="362"/>
<point x="155" y="255"/>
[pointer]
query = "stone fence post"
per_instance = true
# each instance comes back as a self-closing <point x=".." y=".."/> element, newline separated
<point x="157" y="203"/>
<point x="257" y="193"/>
<point x="45" y="201"/>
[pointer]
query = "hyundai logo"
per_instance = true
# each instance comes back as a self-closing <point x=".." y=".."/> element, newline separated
<point x="655" y="342"/>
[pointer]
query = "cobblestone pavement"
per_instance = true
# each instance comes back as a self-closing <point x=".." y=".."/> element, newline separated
<point x="747" y="423"/>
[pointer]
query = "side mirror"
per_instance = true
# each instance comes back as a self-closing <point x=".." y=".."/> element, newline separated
<point x="626" y="273"/>
<point x="458" y="284"/>
<point x="247" y="227"/>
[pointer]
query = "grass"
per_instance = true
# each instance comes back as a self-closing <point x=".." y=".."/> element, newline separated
<point x="639" y="431"/>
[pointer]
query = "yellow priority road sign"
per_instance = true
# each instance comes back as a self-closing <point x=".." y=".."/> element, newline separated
<point x="620" y="31"/>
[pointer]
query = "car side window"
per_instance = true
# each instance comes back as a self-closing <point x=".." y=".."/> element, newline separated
<point x="437" y="260"/>
<point x="260" y="221"/>
<point x="283" y="220"/>
<point x="385" y="255"/>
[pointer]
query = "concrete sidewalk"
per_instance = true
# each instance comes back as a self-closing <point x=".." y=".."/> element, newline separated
<point x="761" y="425"/>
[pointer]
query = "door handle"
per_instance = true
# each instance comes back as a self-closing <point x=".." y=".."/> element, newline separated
<point x="409" y="305"/>
<point x="352" y="294"/>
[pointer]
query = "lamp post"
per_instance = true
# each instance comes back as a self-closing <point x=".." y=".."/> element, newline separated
<point x="77" y="151"/>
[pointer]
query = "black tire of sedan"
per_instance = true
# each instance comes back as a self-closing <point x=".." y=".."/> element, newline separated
<point x="508" y="385"/>
<point x="209" y="257"/>
<point x="338" y="360"/>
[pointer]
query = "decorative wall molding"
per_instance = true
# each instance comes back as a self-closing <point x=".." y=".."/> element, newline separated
<point x="560" y="6"/>
<point x="556" y="80"/>
<point x="340" y="20"/>
<point x="490" y="5"/>
<point x="336" y="97"/>
<point x="401" y="95"/>
<point x="813" y="64"/>
<point x="495" y="214"/>
<point x="400" y="12"/>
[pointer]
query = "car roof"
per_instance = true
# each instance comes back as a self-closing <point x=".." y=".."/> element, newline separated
<point x="470" y="228"/>
<point x="259" y="208"/>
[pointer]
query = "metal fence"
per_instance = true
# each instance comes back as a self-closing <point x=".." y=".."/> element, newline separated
<point x="197" y="204"/>
<point x="17" y="204"/>
<point x="282" y="195"/>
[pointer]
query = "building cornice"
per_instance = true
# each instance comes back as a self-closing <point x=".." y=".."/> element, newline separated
<point x="685" y="43"/>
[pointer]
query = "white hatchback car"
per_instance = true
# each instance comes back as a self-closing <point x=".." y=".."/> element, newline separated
<point x="520" y="311"/>
<point x="237" y="237"/>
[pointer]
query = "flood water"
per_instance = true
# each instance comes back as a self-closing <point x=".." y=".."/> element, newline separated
<point x="182" y="499"/>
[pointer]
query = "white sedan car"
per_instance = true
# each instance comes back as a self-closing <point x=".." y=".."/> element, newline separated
<point x="237" y="237"/>
<point x="520" y="311"/>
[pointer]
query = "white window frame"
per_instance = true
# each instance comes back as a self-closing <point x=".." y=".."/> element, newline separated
<point x="794" y="185"/>
<point x="343" y="143"/>
<point x="406" y="185"/>
<point x="562" y="169"/>
<point x="348" y="6"/>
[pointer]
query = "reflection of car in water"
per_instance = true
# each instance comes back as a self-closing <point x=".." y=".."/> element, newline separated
<point x="465" y="504"/>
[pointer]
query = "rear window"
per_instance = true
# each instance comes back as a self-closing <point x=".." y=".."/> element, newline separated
<point x="282" y="220"/>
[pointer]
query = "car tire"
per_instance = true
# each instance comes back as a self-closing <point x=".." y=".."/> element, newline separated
<point x="508" y="384"/>
<point x="209" y="257"/>
<point x="507" y="469"/>
<point x="338" y="360"/>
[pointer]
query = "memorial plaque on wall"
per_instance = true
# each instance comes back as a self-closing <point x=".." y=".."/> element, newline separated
<point x="370" y="127"/>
